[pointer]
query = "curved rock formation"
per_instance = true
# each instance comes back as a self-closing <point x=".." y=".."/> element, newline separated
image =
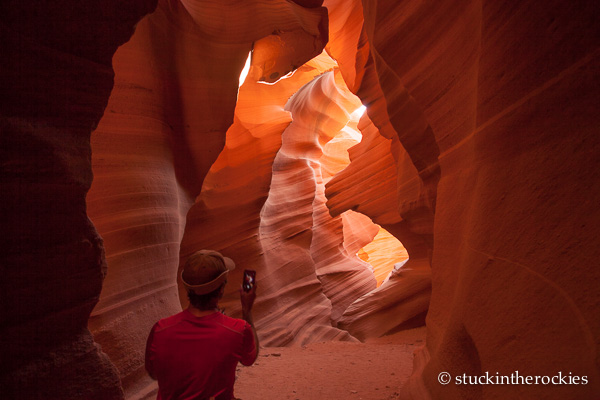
<point x="515" y="129"/>
<point x="282" y="227"/>
<point x="55" y="82"/>
<point x="367" y="186"/>
<point x="176" y="86"/>
<point x="479" y="152"/>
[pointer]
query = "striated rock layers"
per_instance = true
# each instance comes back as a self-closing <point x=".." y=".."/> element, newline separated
<point x="510" y="97"/>
<point x="389" y="179"/>
<point x="55" y="80"/>
<point x="269" y="177"/>
<point x="479" y="152"/>
<point x="176" y="87"/>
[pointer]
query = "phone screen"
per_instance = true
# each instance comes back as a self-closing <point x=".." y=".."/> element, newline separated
<point x="249" y="277"/>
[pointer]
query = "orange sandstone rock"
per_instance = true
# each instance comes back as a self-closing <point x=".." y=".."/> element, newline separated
<point x="516" y="134"/>
<point x="479" y="152"/>
<point x="176" y="87"/>
<point x="383" y="253"/>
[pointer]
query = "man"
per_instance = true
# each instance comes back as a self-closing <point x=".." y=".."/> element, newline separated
<point x="194" y="354"/>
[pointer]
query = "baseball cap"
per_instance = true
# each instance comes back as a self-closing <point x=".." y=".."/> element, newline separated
<point x="205" y="270"/>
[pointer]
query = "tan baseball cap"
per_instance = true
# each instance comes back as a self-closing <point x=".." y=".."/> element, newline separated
<point x="205" y="270"/>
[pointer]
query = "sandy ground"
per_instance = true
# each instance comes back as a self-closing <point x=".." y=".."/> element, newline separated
<point x="334" y="370"/>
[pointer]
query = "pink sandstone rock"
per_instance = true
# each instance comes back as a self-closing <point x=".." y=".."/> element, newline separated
<point x="294" y="242"/>
<point x="479" y="152"/>
<point x="176" y="86"/>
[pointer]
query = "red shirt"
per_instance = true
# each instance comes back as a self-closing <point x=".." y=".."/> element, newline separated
<point x="195" y="357"/>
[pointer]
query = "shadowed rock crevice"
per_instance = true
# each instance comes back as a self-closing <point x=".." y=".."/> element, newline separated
<point x="55" y="82"/>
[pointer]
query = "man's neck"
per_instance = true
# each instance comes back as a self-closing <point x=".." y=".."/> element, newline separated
<point x="201" y="313"/>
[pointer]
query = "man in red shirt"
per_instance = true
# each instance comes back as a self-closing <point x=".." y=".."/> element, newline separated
<point x="194" y="354"/>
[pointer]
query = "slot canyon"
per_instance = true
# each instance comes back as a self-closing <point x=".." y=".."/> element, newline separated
<point x="384" y="165"/>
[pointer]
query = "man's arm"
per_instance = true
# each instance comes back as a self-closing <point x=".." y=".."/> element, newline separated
<point x="247" y="299"/>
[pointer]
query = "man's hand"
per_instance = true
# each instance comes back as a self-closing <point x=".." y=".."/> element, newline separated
<point x="247" y="299"/>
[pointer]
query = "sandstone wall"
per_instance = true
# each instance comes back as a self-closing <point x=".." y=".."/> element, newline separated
<point x="390" y="179"/>
<point x="55" y="80"/>
<point x="176" y="87"/>
<point x="510" y="96"/>
<point x="479" y="152"/>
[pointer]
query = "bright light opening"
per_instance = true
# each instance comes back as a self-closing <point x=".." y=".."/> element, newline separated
<point x="356" y="114"/>
<point x="246" y="69"/>
<point x="280" y="78"/>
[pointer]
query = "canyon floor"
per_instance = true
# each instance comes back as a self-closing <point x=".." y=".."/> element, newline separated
<point x="374" y="370"/>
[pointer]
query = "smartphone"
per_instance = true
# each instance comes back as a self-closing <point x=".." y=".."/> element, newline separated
<point x="249" y="277"/>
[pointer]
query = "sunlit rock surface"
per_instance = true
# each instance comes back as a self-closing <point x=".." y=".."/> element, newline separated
<point x="176" y="86"/>
<point x="383" y="253"/>
<point x="479" y="152"/>
<point x="269" y="176"/>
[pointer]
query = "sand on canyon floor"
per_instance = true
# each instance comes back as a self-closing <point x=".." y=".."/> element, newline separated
<point x="374" y="370"/>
